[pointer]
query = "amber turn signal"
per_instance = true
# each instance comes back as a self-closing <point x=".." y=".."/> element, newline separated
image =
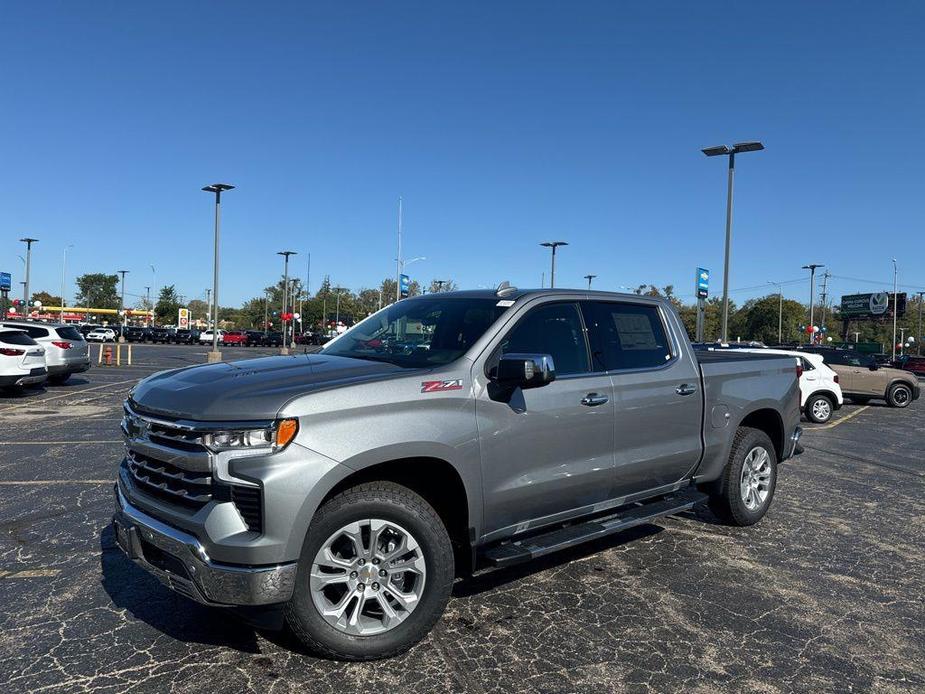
<point x="286" y="431"/>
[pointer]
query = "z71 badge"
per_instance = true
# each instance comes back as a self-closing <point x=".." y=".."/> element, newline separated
<point x="440" y="386"/>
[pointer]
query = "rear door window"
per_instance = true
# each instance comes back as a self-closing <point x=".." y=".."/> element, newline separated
<point x="70" y="333"/>
<point x="626" y="335"/>
<point x="16" y="338"/>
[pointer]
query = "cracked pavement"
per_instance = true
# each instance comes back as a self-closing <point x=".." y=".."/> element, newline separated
<point x="827" y="593"/>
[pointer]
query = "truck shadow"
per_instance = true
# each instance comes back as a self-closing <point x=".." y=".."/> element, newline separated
<point x="133" y="589"/>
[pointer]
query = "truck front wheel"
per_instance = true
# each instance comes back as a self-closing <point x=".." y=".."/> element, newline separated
<point x="747" y="485"/>
<point x="375" y="574"/>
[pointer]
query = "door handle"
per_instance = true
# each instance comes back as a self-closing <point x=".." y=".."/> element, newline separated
<point x="685" y="389"/>
<point x="594" y="399"/>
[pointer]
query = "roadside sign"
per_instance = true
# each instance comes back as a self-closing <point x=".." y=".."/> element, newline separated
<point x="405" y="285"/>
<point x="6" y="281"/>
<point x="703" y="283"/>
<point x="875" y="305"/>
<point x="183" y="318"/>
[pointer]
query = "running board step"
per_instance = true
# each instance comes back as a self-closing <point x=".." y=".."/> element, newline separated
<point x="539" y="545"/>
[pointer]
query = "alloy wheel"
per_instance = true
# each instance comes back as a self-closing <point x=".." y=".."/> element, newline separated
<point x="755" y="481"/>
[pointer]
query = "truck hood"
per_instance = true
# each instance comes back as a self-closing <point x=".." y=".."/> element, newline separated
<point x="250" y="389"/>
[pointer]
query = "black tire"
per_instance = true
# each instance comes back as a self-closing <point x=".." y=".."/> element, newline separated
<point x="726" y="501"/>
<point x="819" y="408"/>
<point x="390" y="502"/>
<point x="59" y="379"/>
<point x="859" y="399"/>
<point x="899" y="395"/>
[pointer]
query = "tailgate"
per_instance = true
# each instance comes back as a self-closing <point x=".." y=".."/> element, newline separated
<point x="34" y="356"/>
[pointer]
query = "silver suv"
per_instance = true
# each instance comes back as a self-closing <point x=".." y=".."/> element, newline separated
<point x="66" y="351"/>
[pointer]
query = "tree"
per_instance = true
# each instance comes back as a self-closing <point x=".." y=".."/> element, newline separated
<point x="168" y="304"/>
<point x="441" y="286"/>
<point x="46" y="299"/>
<point x="98" y="290"/>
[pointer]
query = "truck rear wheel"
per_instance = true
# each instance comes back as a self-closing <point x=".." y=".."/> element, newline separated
<point x="747" y="485"/>
<point x="374" y="576"/>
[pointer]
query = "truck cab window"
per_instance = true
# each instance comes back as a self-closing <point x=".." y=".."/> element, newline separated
<point x="625" y="335"/>
<point x="553" y="329"/>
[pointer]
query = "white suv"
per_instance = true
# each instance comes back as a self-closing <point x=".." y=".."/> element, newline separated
<point x="101" y="335"/>
<point x="22" y="359"/>
<point x="820" y="393"/>
<point x="66" y="351"/>
<point x="205" y="337"/>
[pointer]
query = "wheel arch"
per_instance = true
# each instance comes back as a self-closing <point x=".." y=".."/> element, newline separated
<point x="827" y="393"/>
<point x="770" y="422"/>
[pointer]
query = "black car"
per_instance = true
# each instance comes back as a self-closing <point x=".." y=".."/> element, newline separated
<point x="273" y="339"/>
<point x="254" y="338"/>
<point x="136" y="333"/>
<point x="162" y="335"/>
<point x="185" y="337"/>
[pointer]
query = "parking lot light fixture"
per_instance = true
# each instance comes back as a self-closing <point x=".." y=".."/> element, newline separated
<point x="25" y="294"/>
<point x="553" y="245"/>
<point x="723" y="150"/>
<point x="285" y="347"/>
<point x="589" y="278"/>
<point x="780" y="311"/>
<point x="895" y="306"/>
<point x="122" y="305"/>
<point x="218" y="189"/>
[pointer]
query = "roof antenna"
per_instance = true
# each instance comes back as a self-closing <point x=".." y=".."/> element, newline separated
<point x="505" y="288"/>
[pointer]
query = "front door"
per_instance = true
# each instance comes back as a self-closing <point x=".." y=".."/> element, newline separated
<point x="547" y="451"/>
<point x="657" y="399"/>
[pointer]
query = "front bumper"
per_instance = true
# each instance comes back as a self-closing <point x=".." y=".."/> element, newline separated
<point x="181" y="563"/>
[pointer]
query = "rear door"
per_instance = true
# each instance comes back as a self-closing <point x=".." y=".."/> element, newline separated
<point x="657" y="398"/>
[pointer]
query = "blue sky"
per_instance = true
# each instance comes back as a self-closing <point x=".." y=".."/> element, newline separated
<point x="500" y="124"/>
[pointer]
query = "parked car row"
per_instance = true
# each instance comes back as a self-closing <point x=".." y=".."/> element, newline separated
<point x="828" y="375"/>
<point x="31" y="353"/>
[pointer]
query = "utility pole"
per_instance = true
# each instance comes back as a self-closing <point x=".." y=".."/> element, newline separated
<point x="823" y="295"/>
<point x="285" y="348"/>
<point x="812" y="285"/>
<point x="895" y="306"/>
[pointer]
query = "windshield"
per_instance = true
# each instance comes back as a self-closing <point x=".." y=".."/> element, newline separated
<point x="419" y="333"/>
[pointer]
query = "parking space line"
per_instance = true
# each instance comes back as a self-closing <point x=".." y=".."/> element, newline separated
<point x="33" y="403"/>
<point x="840" y="421"/>
<point x="30" y="573"/>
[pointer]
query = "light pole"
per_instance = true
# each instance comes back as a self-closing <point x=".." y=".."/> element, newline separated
<point x="918" y="337"/>
<point x="64" y="280"/>
<point x="218" y="189"/>
<point x="589" y="278"/>
<point x="895" y="307"/>
<point x="731" y="153"/>
<point x="780" y="311"/>
<point x="122" y="305"/>
<point x="208" y="308"/>
<point x="812" y="281"/>
<point x="285" y="348"/>
<point x="553" y="245"/>
<point x="338" y="290"/>
<point x="25" y="294"/>
<point x="148" y="303"/>
<point x="266" y="310"/>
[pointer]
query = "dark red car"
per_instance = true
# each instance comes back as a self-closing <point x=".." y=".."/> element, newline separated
<point x="237" y="338"/>
<point x="912" y="363"/>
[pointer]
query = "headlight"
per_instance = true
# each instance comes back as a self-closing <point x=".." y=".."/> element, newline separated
<point x="271" y="438"/>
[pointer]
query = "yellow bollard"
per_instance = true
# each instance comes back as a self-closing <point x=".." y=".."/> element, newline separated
<point x="99" y="357"/>
<point x="129" y="353"/>
<point x="119" y="354"/>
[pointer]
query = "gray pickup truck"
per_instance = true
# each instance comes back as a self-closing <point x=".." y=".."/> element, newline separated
<point x="343" y="492"/>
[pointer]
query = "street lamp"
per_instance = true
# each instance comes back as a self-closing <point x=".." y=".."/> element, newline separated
<point x="218" y="189"/>
<point x="337" y="290"/>
<point x="553" y="245"/>
<point x="64" y="280"/>
<point x="919" y="338"/>
<point x="812" y="282"/>
<point x="780" y="311"/>
<point x="589" y="278"/>
<point x="122" y="305"/>
<point x="895" y="307"/>
<point x="25" y="295"/>
<point x="731" y="153"/>
<point x="285" y="349"/>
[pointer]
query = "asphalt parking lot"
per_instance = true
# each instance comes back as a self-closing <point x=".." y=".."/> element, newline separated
<point x="826" y="594"/>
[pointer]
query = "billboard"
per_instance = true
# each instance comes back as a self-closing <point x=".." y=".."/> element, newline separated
<point x="872" y="306"/>
<point x="405" y="285"/>
<point x="183" y="318"/>
<point x="6" y="281"/>
<point x="703" y="283"/>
